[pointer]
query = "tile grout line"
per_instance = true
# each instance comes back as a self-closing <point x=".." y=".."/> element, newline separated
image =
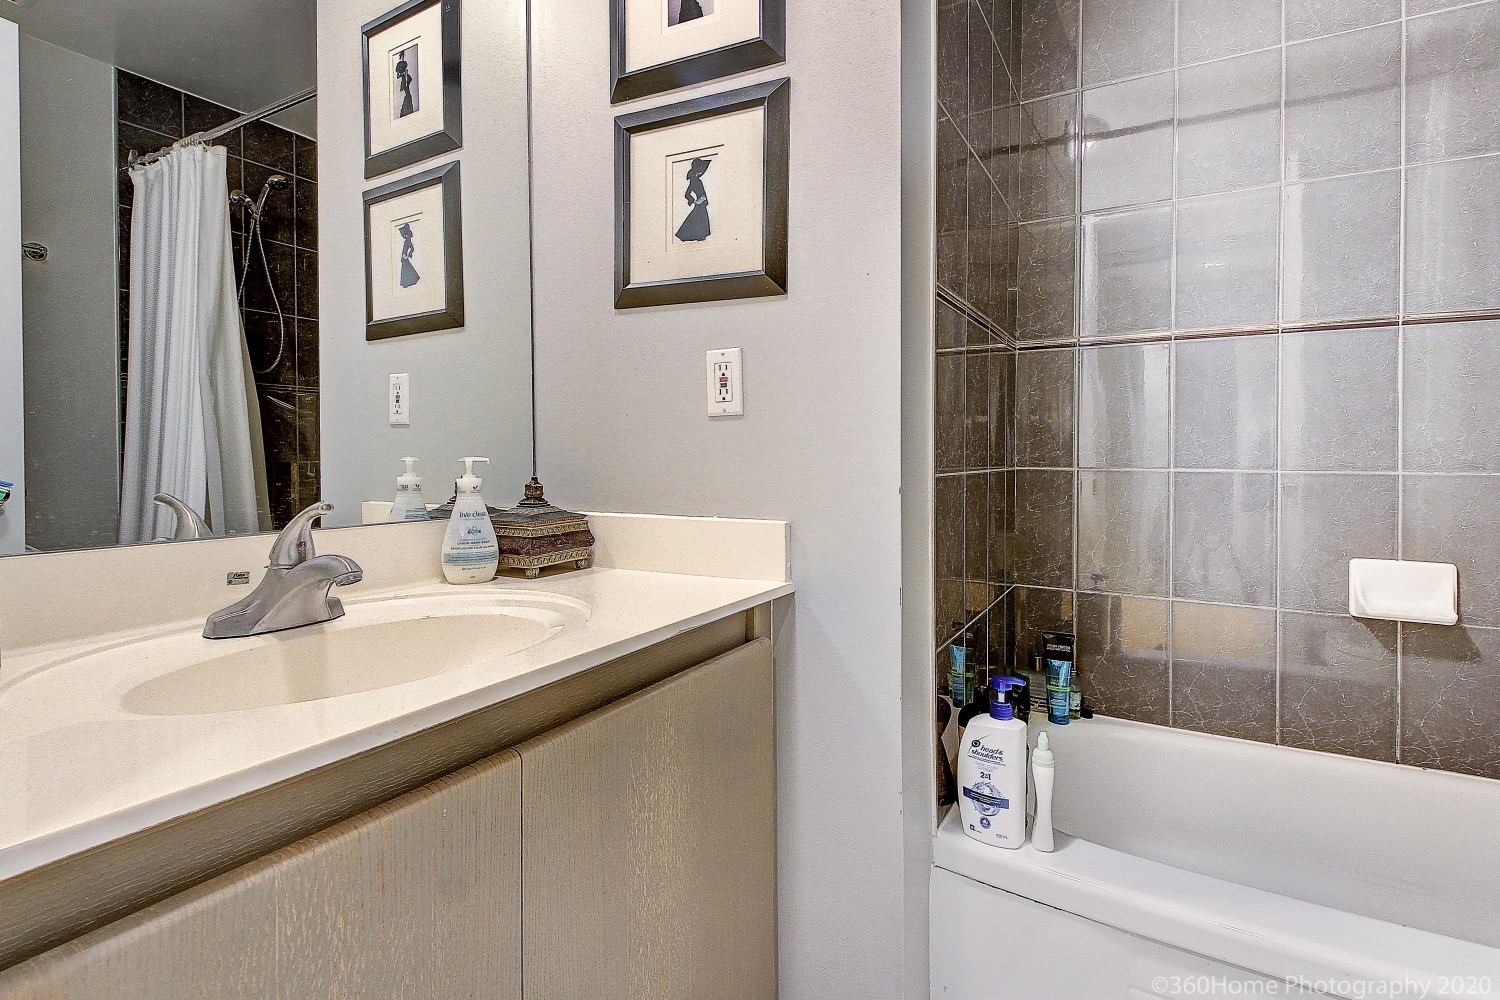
<point x="1172" y="369"/>
<point x="1076" y="327"/>
<point x="1286" y="42"/>
<point x="1045" y="95"/>
<point x="1278" y="664"/>
<point x="1401" y="238"/>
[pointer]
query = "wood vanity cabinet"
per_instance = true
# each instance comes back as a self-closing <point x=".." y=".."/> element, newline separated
<point x="628" y="853"/>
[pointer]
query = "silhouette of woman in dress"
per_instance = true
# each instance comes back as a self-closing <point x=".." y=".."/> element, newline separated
<point x="403" y="81"/>
<point x="409" y="275"/>
<point x="695" y="228"/>
<point x="691" y="11"/>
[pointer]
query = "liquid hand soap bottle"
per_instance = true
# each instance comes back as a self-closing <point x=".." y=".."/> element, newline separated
<point x="992" y="773"/>
<point x="470" y="552"/>
<point x="409" y="505"/>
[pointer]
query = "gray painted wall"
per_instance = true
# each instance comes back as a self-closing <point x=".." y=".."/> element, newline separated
<point x="623" y="425"/>
<point x="72" y="352"/>
<point x="12" y="413"/>
<point x="471" y="388"/>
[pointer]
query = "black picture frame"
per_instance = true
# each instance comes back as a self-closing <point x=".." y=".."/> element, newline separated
<point x="768" y="49"/>
<point x="451" y="316"/>
<point x="775" y="97"/>
<point x="450" y="136"/>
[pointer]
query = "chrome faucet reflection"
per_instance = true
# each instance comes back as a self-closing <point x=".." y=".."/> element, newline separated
<point x="294" y="591"/>
<point x="190" y="524"/>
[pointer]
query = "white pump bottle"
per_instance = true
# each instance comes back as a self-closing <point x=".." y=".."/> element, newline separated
<point x="470" y="552"/>
<point x="992" y="773"/>
<point x="409" y="505"/>
<point x="1042" y="763"/>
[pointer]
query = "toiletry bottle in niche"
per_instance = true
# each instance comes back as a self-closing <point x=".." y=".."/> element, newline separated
<point x="1042" y="763"/>
<point x="470" y="552"/>
<point x="960" y="670"/>
<point x="977" y="706"/>
<point x="992" y="773"/>
<point x="409" y="505"/>
<point x="1036" y="685"/>
<point x="1019" y="697"/>
<point x="946" y="785"/>
<point x="1057" y="648"/>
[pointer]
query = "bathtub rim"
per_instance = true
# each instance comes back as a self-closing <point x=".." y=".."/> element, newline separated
<point x="1262" y="932"/>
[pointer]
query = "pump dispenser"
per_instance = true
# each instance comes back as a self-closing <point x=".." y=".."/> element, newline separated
<point x="992" y="773"/>
<point x="409" y="505"/>
<point x="470" y="552"/>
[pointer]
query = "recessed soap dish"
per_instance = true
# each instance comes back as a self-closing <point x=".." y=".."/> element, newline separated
<point x="1404" y="591"/>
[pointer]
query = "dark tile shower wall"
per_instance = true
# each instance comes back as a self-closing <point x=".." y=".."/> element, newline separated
<point x="1259" y="276"/>
<point x="976" y="322"/>
<point x="152" y="116"/>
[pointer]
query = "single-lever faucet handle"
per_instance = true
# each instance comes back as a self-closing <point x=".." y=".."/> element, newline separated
<point x="294" y="546"/>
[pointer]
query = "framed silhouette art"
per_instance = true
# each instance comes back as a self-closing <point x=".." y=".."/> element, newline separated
<point x="661" y="45"/>
<point x="413" y="99"/>
<point x="414" y="255"/>
<point x="701" y="198"/>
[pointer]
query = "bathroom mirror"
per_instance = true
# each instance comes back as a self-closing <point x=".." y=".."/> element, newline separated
<point x="194" y="323"/>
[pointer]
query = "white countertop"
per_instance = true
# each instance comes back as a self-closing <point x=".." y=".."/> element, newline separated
<point x="78" y="771"/>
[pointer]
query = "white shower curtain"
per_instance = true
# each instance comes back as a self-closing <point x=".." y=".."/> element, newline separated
<point x="192" y="424"/>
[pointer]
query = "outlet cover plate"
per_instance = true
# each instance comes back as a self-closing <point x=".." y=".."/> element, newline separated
<point x="726" y="383"/>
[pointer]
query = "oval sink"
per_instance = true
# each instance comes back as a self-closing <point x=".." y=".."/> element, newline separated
<point x="375" y="645"/>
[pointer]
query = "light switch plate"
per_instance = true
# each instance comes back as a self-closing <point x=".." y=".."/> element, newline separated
<point x="401" y="400"/>
<point x="726" y="383"/>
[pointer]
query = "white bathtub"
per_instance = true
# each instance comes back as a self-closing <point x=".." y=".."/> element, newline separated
<point x="1200" y="866"/>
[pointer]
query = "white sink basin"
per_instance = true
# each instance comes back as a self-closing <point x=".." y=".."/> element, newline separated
<point x="377" y="644"/>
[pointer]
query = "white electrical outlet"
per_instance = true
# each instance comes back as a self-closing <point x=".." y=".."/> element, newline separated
<point x="726" y="385"/>
<point x="401" y="400"/>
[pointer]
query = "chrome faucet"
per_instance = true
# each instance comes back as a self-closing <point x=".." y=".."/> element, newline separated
<point x="294" y="591"/>
<point x="190" y="523"/>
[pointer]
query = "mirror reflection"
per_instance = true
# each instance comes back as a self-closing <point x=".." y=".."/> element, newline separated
<point x="161" y="370"/>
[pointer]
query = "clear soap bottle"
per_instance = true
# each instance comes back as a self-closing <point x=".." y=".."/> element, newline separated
<point x="409" y="505"/>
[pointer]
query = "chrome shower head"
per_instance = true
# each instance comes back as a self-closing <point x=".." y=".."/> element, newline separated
<point x="239" y="199"/>
<point x="276" y="183"/>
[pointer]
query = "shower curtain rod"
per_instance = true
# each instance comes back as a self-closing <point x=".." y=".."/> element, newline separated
<point x="284" y="104"/>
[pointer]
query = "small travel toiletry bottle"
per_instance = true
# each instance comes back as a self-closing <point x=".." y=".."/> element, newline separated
<point x="1058" y="649"/>
<point x="409" y="505"/>
<point x="992" y="773"/>
<point x="1036" y="684"/>
<point x="960" y="670"/>
<point x="1041" y="782"/>
<point x="471" y="553"/>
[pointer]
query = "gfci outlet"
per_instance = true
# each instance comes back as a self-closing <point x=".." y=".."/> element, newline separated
<point x="401" y="400"/>
<point x="726" y="385"/>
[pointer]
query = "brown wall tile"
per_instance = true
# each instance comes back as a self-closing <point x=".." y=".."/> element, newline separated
<point x="1041" y="552"/>
<point x="1338" y="685"/>
<point x="1224" y="670"/>
<point x="1122" y="655"/>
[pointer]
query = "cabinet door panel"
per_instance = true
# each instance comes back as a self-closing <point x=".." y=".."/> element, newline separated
<point x="418" y="898"/>
<point x="649" y="845"/>
<point x="215" y="940"/>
